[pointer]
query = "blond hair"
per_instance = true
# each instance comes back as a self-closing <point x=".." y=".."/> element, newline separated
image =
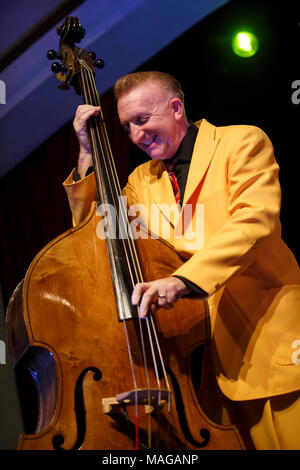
<point x="132" y="80"/>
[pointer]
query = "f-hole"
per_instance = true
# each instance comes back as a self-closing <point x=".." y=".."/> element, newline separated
<point x="58" y="440"/>
<point x="204" y="433"/>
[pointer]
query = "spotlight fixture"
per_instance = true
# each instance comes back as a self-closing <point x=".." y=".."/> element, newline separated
<point x="245" y="44"/>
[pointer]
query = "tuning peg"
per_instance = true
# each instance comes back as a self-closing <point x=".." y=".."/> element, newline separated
<point x="61" y="29"/>
<point x="99" y="63"/>
<point x="57" y="67"/>
<point x="75" y="29"/>
<point x="80" y="31"/>
<point x="52" y="54"/>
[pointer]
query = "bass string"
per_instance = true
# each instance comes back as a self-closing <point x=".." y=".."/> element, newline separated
<point x="134" y="256"/>
<point x="96" y="143"/>
<point x="112" y="175"/>
<point x="109" y="166"/>
<point x="128" y="342"/>
<point x="91" y="96"/>
<point x="115" y="190"/>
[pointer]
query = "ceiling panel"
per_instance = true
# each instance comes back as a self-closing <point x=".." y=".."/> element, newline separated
<point x="125" y="33"/>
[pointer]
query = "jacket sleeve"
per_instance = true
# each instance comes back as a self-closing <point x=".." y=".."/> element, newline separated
<point x="253" y="207"/>
<point x="80" y="195"/>
<point x="83" y="192"/>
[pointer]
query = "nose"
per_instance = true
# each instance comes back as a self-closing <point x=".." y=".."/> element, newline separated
<point x="135" y="133"/>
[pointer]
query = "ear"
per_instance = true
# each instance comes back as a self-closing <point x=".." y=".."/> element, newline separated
<point x="177" y="108"/>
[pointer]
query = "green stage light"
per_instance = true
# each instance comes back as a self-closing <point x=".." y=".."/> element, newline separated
<point x="245" y="44"/>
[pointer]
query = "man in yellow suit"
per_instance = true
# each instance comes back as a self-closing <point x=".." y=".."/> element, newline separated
<point x="236" y="259"/>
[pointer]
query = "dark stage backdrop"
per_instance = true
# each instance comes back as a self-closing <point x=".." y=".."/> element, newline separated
<point x="218" y="85"/>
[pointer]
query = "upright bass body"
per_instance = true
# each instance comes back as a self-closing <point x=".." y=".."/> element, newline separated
<point x="66" y="311"/>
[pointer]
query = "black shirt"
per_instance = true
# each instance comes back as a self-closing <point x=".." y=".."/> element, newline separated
<point x="183" y="158"/>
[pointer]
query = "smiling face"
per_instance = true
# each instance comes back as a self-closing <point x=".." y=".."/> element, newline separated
<point x="154" y="119"/>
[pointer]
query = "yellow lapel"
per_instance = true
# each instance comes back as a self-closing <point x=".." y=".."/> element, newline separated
<point x="160" y="186"/>
<point x="158" y="181"/>
<point x="203" y="152"/>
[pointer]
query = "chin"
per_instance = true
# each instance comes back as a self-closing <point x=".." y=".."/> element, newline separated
<point x="155" y="156"/>
<point x="159" y="156"/>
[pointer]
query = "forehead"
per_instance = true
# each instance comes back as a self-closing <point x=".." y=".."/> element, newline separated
<point x="142" y="99"/>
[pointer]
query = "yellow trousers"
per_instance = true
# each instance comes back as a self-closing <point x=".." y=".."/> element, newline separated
<point x="271" y="424"/>
<point x="264" y="424"/>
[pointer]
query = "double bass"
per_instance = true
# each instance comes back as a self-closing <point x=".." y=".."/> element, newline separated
<point x="104" y="378"/>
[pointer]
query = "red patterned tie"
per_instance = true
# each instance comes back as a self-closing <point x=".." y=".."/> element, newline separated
<point x="170" y="169"/>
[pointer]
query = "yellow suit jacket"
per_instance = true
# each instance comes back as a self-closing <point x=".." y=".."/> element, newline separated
<point x="233" y="251"/>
